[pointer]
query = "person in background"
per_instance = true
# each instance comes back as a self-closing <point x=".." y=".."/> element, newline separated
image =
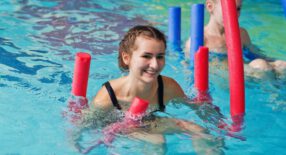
<point x="214" y="39"/>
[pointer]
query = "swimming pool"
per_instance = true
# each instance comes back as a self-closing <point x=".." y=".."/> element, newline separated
<point x="38" y="42"/>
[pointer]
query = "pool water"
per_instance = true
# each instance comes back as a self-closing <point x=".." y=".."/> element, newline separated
<point x="38" y="43"/>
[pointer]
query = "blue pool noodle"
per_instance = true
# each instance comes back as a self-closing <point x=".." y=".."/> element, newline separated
<point x="197" y="30"/>
<point x="284" y="6"/>
<point x="174" y="34"/>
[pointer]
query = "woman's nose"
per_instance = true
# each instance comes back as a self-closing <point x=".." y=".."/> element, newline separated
<point x="154" y="63"/>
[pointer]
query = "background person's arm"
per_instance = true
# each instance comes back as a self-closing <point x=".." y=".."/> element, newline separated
<point x="250" y="50"/>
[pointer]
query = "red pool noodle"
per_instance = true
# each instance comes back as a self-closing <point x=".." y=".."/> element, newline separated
<point x="235" y="60"/>
<point x="138" y="106"/>
<point x="81" y="72"/>
<point x="202" y="69"/>
<point x="202" y="74"/>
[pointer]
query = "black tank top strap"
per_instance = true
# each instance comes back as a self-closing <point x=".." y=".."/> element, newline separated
<point x="161" y="93"/>
<point x="112" y="95"/>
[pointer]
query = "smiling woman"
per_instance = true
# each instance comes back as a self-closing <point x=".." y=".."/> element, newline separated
<point x="38" y="42"/>
<point x="142" y="55"/>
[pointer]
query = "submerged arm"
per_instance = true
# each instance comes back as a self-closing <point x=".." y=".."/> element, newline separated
<point x="203" y="142"/>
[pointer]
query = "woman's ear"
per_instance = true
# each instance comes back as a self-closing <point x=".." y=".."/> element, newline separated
<point x="126" y="58"/>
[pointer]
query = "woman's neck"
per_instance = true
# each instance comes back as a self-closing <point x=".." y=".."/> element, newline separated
<point x="135" y="87"/>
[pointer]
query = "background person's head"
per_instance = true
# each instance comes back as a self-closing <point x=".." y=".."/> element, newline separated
<point x="215" y="10"/>
<point x="128" y="44"/>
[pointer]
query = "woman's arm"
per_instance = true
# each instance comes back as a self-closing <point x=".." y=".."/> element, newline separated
<point x="252" y="51"/>
<point x="157" y="139"/>
<point x="102" y="100"/>
<point x="172" y="89"/>
<point x="203" y="142"/>
<point x="245" y="39"/>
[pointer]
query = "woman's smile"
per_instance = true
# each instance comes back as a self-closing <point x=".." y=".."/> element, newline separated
<point x="151" y="72"/>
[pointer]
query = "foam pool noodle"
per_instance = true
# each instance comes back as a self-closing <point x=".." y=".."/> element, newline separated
<point x="197" y="30"/>
<point x="235" y="61"/>
<point x="80" y="81"/>
<point x="174" y="28"/>
<point x="202" y="74"/>
<point x="284" y="6"/>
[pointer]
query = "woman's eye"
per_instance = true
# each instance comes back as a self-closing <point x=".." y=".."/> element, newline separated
<point x="238" y="9"/>
<point x="160" y="57"/>
<point x="147" y="56"/>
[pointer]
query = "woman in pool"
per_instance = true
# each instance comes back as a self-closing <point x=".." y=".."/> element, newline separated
<point x="214" y="39"/>
<point x="142" y="56"/>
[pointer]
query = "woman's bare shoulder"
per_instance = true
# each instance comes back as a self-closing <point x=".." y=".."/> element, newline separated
<point x="171" y="88"/>
<point x="102" y="99"/>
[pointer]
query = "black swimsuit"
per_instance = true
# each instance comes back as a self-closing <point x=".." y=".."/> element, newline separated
<point x="160" y="92"/>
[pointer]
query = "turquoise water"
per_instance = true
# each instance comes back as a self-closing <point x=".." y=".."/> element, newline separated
<point x="38" y="42"/>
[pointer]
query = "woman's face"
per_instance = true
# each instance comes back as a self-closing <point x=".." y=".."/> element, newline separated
<point x="148" y="60"/>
